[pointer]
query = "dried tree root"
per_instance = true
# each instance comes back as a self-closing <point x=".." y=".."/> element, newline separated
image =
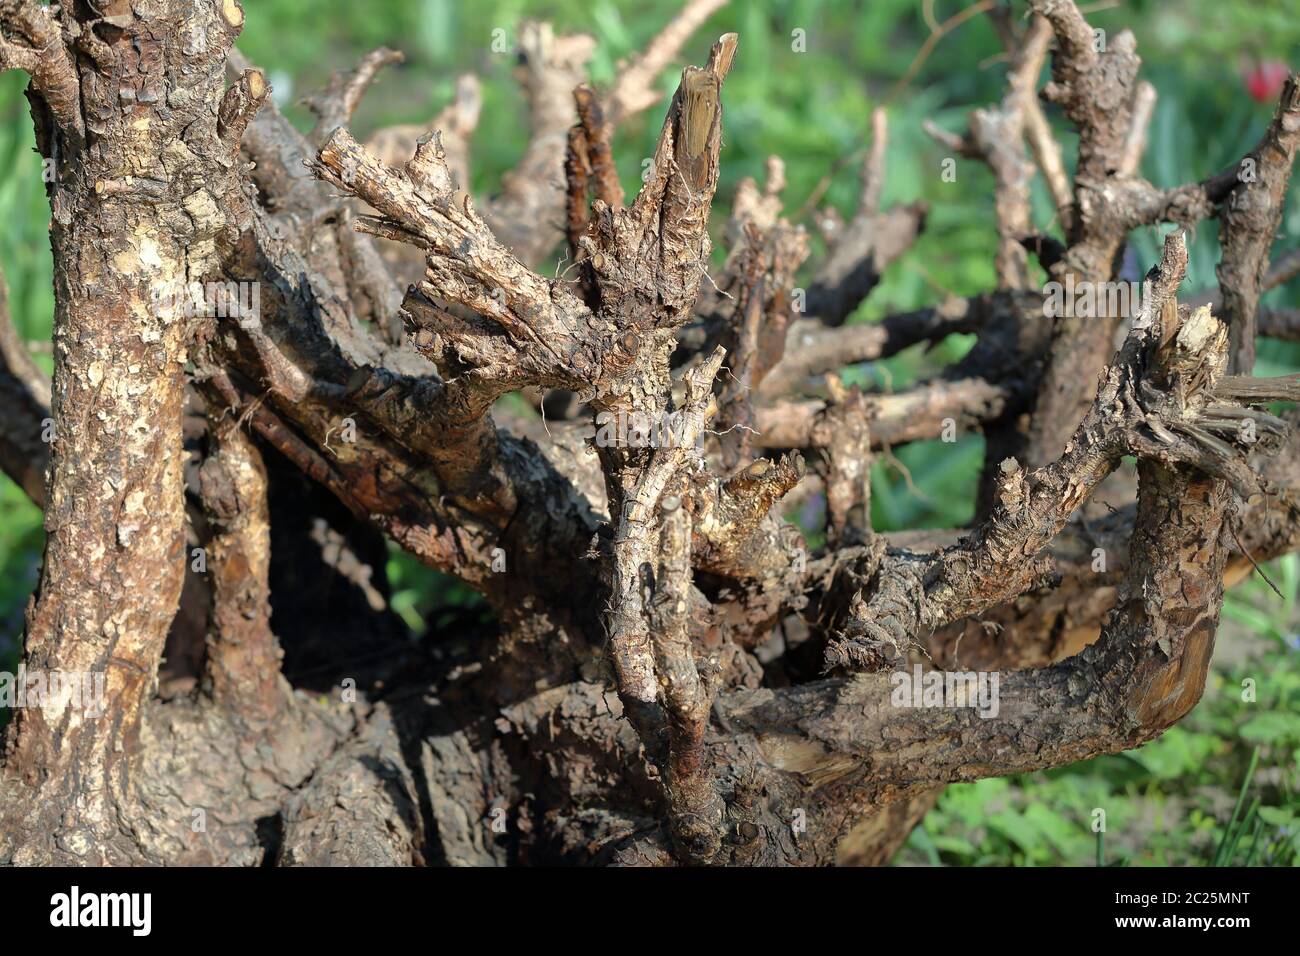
<point x="652" y="690"/>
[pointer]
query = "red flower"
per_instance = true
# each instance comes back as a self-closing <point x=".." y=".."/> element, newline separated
<point x="1265" y="81"/>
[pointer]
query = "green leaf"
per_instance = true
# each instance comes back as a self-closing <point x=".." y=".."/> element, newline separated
<point x="1272" y="727"/>
<point x="1277" y="816"/>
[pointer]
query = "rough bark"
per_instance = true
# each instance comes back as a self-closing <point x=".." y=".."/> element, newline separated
<point x="142" y="180"/>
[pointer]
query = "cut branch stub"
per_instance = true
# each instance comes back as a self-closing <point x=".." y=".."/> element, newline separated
<point x="519" y="328"/>
<point x="635" y="91"/>
<point x="239" y="105"/>
<point x="648" y="260"/>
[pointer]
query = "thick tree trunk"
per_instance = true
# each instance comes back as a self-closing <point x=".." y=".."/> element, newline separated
<point x="137" y="214"/>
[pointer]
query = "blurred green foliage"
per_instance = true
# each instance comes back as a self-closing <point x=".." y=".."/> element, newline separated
<point x="1168" y="802"/>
